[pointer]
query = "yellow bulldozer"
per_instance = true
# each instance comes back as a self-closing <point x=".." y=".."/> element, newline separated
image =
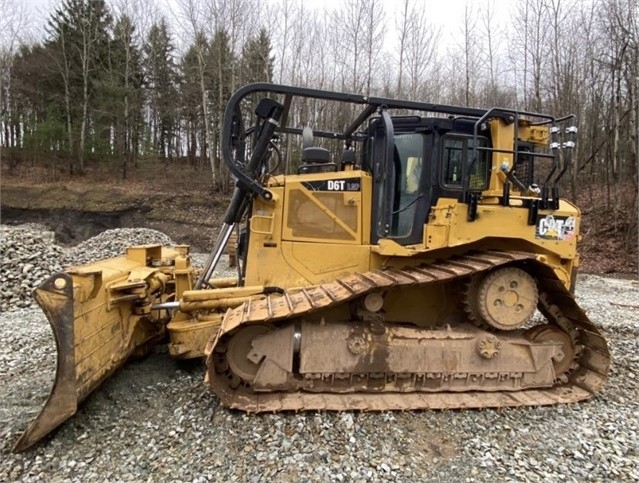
<point x="420" y="258"/>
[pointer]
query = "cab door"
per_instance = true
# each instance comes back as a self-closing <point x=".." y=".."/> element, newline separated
<point x="402" y="189"/>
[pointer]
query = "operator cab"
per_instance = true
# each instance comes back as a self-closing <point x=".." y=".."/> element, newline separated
<point x="441" y="151"/>
<point x="426" y="160"/>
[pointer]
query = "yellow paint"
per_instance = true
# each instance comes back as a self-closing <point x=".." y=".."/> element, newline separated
<point x="311" y="236"/>
<point x="317" y="263"/>
<point x="188" y="336"/>
<point x="314" y="230"/>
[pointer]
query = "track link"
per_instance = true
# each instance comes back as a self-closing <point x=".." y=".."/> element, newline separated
<point x="587" y="376"/>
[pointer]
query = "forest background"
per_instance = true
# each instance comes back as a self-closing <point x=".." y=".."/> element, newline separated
<point x="133" y="91"/>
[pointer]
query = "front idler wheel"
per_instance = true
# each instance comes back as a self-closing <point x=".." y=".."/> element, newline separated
<point x="563" y="362"/>
<point x="239" y="349"/>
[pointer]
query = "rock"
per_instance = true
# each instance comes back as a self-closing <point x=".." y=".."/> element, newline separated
<point x="30" y="256"/>
<point x="153" y="421"/>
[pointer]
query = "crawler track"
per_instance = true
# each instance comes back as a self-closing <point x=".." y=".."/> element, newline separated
<point x="586" y="377"/>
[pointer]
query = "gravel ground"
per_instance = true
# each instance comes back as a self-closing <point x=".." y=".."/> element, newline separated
<point x="155" y="421"/>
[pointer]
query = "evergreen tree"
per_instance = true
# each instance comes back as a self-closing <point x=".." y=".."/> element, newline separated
<point x="79" y="45"/>
<point x="257" y="62"/>
<point x="37" y="123"/>
<point x="162" y="79"/>
<point x="123" y="93"/>
<point x="191" y="97"/>
<point x="221" y="63"/>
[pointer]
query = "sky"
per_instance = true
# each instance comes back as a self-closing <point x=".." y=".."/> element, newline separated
<point x="444" y="13"/>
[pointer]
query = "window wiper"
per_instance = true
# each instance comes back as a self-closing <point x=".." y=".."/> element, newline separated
<point x="408" y="205"/>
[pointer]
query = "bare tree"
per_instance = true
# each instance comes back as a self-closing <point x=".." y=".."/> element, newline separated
<point x="300" y="45"/>
<point x="373" y="38"/>
<point x="491" y="41"/>
<point x="619" y="24"/>
<point x="530" y="49"/>
<point x="591" y="107"/>
<point x="12" y="22"/>
<point x="469" y="57"/>
<point x="192" y="19"/>
<point x="402" y="27"/>
<point x="348" y="26"/>
<point x="239" y="18"/>
<point x="134" y="15"/>
<point x="284" y="31"/>
<point x="417" y="52"/>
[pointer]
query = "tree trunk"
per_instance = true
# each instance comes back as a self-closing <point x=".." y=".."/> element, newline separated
<point x="85" y="99"/>
<point x="207" y="148"/>
<point x="67" y="105"/>
<point x="83" y="127"/>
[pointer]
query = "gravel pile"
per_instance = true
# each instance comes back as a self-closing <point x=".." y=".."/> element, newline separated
<point x="30" y="256"/>
<point x="155" y="421"/>
<point x="112" y="243"/>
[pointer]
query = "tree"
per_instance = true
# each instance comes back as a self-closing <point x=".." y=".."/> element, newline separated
<point x="192" y="19"/>
<point x="348" y="24"/>
<point x="223" y="63"/>
<point x="238" y="19"/>
<point x="79" y="45"/>
<point x="417" y="53"/>
<point x="37" y="122"/>
<point x="471" y="56"/>
<point x="373" y="39"/>
<point x="189" y="100"/>
<point x="162" y="79"/>
<point x="12" y="22"/>
<point x="530" y="44"/>
<point x="125" y="96"/>
<point x="257" y="61"/>
<point x="284" y="24"/>
<point x="493" y="93"/>
<point x="619" y="23"/>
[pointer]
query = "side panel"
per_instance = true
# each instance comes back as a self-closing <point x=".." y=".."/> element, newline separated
<point x="553" y="237"/>
<point x="327" y="208"/>
<point x="317" y="263"/>
<point x="512" y="222"/>
<point x="317" y="229"/>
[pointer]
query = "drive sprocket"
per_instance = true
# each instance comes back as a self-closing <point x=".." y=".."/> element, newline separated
<point x="506" y="298"/>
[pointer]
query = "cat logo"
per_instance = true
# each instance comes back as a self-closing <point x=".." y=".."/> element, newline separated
<point x="551" y="227"/>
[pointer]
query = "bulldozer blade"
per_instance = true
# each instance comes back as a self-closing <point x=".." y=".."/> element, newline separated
<point x="93" y="335"/>
<point x="62" y="402"/>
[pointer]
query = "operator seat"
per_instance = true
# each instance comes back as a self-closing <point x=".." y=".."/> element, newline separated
<point x="314" y="159"/>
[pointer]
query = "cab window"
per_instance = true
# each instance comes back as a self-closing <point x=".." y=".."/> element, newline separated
<point x="409" y="152"/>
<point x="458" y="150"/>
